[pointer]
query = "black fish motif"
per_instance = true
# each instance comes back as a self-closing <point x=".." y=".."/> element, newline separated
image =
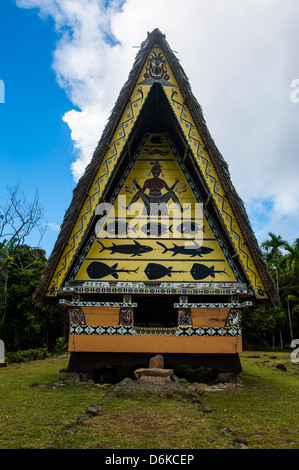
<point x="156" y="139"/>
<point x="188" y="227"/>
<point x="156" y="151"/>
<point x="135" y="250"/>
<point x="98" y="270"/>
<point x="118" y="227"/>
<point x="156" y="271"/>
<point x="192" y="251"/>
<point x="155" y="229"/>
<point x="201" y="271"/>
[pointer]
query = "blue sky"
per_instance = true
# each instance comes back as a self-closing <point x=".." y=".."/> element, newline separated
<point x="63" y="63"/>
<point x="35" y="145"/>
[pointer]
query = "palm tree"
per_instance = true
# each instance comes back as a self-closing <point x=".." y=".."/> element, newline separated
<point x="291" y="298"/>
<point x="273" y="257"/>
<point x="271" y="247"/>
<point x="291" y="264"/>
<point x="291" y="259"/>
<point x="272" y="253"/>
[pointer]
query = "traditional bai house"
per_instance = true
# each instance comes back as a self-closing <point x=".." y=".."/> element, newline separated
<point x="156" y="254"/>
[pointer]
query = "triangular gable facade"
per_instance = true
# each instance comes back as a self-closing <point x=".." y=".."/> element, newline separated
<point x="156" y="152"/>
<point x="194" y="146"/>
<point x="140" y="246"/>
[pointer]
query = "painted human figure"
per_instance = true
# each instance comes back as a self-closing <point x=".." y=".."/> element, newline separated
<point x="155" y="197"/>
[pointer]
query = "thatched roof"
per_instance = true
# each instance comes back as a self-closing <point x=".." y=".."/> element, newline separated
<point x="221" y="167"/>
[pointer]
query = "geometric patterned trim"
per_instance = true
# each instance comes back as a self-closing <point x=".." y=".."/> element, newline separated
<point x="123" y="131"/>
<point x="111" y="201"/>
<point x="213" y="305"/>
<point x="101" y="330"/>
<point x="155" y="331"/>
<point x="207" y="169"/>
<point x="209" y="331"/>
<point x="179" y="331"/>
<point x="98" y="304"/>
<point x="213" y="288"/>
<point x="107" y="166"/>
<point x="209" y="220"/>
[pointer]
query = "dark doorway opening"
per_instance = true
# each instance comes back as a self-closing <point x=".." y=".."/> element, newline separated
<point x="155" y="311"/>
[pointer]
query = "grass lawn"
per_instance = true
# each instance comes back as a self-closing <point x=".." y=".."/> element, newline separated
<point x="263" y="414"/>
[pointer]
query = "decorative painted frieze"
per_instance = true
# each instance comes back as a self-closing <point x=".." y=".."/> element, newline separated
<point x="213" y="305"/>
<point x="84" y="303"/>
<point x="144" y="331"/>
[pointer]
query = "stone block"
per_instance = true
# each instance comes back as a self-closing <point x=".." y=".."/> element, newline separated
<point x="72" y="378"/>
<point x="156" y="362"/>
<point x="151" y="381"/>
<point x="153" y="373"/>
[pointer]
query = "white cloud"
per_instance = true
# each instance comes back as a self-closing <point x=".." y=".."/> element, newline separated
<point x="240" y="57"/>
<point x="89" y="65"/>
<point x="53" y="226"/>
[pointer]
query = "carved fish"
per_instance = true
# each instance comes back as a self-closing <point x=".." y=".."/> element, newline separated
<point x="201" y="271"/>
<point x="155" y="229"/>
<point x="118" y="227"/>
<point x="187" y="250"/>
<point x="135" y="250"/>
<point x="98" y="270"/>
<point x="188" y="227"/>
<point x="156" y="271"/>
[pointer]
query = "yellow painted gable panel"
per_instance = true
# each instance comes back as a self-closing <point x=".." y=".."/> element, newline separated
<point x="169" y="238"/>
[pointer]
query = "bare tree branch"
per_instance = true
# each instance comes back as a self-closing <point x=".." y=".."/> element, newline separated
<point x="18" y="219"/>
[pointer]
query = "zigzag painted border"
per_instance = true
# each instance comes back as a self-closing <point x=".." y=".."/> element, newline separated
<point x="188" y="126"/>
<point x="120" y="136"/>
<point x="205" y="212"/>
<point x="112" y="200"/>
<point x="128" y="119"/>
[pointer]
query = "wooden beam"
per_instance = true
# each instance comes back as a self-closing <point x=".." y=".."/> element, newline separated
<point x="129" y="149"/>
<point x="185" y="153"/>
<point x="210" y="197"/>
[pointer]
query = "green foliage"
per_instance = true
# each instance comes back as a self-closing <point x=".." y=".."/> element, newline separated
<point x="260" y="324"/>
<point x="36" y="413"/>
<point x="61" y="344"/>
<point x="25" y="327"/>
<point x="27" y="355"/>
<point x="18" y="219"/>
<point x="291" y="260"/>
<point x="22" y="325"/>
<point x="263" y="323"/>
